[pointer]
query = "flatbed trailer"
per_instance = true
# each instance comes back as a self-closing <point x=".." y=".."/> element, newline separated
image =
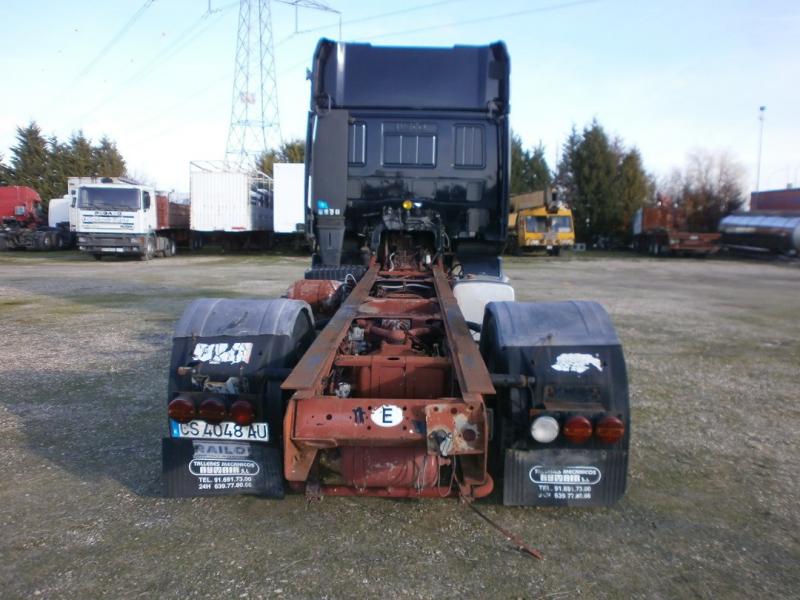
<point x="366" y="378"/>
<point x="663" y="231"/>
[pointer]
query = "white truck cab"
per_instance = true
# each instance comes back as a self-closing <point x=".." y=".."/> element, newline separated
<point x="120" y="219"/>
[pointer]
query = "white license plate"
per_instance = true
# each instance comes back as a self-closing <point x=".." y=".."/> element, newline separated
<point x="227" y="430"/>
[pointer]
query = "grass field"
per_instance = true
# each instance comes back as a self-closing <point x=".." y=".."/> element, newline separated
<point x="713" y="352"/>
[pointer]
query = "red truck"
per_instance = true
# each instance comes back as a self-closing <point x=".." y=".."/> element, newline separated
<point x="24" y="225"/>
<point x="662" y="230"/>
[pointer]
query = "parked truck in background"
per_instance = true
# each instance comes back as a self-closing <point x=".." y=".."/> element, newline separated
<point x="230" y="206"/>
<point x="537" y="222"/>
<point x="23" y="224"/>
<point x="663" y="230"/>
<point x="128" y="219"/>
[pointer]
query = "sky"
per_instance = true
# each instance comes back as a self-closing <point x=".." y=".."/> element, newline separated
<point x="669" y="77"/>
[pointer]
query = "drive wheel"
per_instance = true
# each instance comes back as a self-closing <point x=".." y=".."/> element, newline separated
<point x="97" y="256"/>
<point x="150" y="250"/>
<point x="47" y="242"/>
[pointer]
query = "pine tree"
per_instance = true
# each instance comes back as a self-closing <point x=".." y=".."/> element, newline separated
<point x="539" y="173"/>
<point x="529" y="171"/>
<point x="107" y="160"/>
<point x="565" y="170"/>
<point x="30" y="158"/>
<point x="602" y="182"/>
<point x="80" y="156"/>
<point x="595" y="169"/>
<point x="633" y="190"/>
<point x="44" y="164"/>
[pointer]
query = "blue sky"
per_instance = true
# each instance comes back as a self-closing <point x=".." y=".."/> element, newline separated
<point x="667" y="76"/>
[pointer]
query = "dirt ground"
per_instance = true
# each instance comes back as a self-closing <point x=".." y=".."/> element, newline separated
<point x="713" y="352"/>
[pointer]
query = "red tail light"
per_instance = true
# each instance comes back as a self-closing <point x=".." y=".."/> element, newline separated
<point x="610" y="430"/>
<point x="212" y="409"/>
<point x="577" y="429"/>
<point x="181" y="409"/>
<point x="242" y="412"/>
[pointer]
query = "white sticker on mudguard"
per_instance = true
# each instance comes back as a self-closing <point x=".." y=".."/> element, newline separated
<point x="216" y="354"/>
<point x="577" y="363"/>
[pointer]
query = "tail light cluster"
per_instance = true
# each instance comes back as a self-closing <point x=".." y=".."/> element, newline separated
<point x="578" y="429"/>
<point x="184" y="408"/>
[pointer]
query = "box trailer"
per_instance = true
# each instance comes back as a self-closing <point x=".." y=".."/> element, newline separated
<point x="289" y="208"/>
<point x="230" y="206"/>
<point x="784" y="201"/>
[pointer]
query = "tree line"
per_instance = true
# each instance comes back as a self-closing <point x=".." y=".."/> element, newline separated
<point x="44" y="163"/>
<point x="601" y="179"/>
<point x="604" y="182"/>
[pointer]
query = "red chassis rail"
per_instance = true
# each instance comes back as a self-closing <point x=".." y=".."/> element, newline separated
<point x="402" y="415"/>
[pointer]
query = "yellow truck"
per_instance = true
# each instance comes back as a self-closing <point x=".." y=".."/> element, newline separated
<point x="536" y="223"/>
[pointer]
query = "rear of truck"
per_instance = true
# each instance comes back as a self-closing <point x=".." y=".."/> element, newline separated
<point x="366" y="378"/>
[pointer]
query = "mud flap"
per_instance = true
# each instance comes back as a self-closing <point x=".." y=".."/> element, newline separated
<point x="564" y="477"/>
<point x="220" y="468"/>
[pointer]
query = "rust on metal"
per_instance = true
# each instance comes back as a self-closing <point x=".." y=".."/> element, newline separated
<point x="388" y="399"/>
<point x="318" y="357"/>
<point x="473" y="377"/>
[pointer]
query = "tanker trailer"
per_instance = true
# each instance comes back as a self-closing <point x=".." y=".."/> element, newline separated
<point x="777" y="233"/>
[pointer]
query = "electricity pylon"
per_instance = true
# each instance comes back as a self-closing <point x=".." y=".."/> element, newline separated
<point x="255" y="123"/>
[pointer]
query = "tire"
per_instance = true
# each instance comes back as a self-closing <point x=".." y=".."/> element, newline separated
<point x="150" y="250"/>
<point x="46" y="242"/>
<point x="172" y="248"/>
<point x="60" y="242"/>
<point x="97" y="256"/>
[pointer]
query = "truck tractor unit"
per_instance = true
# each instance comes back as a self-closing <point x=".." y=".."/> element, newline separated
<point x="538" y="223"/>
<point x="128" y="219"/>
<point x="23" y="224"/>
<point x="366" y="378"/>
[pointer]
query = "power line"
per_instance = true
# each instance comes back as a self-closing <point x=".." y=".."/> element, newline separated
<point x="166" y="53"/>
<point x="541" y="9"/>
<point x="116" y="38"/>
<point x="370" y="18"/>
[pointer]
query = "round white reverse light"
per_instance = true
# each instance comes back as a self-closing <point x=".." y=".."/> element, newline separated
<point x="544" y="429"/>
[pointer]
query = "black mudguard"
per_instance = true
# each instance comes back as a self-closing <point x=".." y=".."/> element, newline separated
<point x="275" y="333"/>
<point x="573" y="357"/>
